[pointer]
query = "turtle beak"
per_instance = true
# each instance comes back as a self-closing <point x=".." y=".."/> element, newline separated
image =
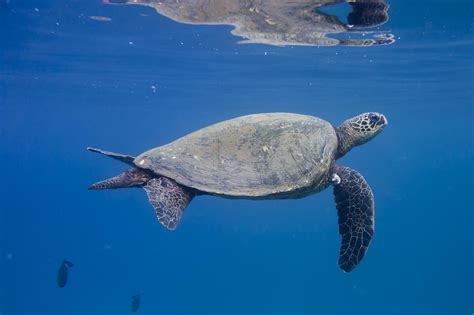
<point x="383" y="121"/>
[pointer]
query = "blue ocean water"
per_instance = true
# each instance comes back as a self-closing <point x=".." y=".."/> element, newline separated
<point x="141" y="80"/>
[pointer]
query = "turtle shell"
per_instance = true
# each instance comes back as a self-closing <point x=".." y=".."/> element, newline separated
<point x="249" y="156"/>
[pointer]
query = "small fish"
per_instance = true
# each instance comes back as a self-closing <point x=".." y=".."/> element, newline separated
<point x="63" y="273"/>
<point x="100" y="18"/>
<point x="135" y="303"/>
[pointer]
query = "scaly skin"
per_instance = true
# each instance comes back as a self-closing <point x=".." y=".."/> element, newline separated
<point x="358" y="130"/>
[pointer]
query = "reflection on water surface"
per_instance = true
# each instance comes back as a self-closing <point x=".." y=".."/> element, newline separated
<point x="283" y="22"/>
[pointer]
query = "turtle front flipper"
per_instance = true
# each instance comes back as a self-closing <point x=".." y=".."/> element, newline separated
<point x="355" y="209"/>
<point x="169" y="199"/>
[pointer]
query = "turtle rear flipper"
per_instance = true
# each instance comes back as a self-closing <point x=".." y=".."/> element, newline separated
<point x="121" y="157"/>
<point x="355" y="209"/>
<point x="169" y="199"/>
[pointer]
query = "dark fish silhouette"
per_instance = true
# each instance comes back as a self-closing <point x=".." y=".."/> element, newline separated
<point x="63" y="273"/>
<point x="135" y="302"/>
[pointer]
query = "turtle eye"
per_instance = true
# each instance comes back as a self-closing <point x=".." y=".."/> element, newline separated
<point x="166" y="183"/>
<point x="373" y="117"/>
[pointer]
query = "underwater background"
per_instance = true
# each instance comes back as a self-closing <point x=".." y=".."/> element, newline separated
<point x="140" y="79"/>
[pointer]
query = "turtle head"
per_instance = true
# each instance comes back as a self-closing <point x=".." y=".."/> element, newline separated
<point x="359" y="130"/>
<point x="364" y="127"/>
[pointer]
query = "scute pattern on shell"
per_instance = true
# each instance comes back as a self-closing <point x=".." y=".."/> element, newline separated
<point x="254" y="156"/>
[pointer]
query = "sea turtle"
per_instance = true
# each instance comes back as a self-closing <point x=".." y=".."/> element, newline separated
<point x="282" y="22"/>
<point x="261" y="156"/>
